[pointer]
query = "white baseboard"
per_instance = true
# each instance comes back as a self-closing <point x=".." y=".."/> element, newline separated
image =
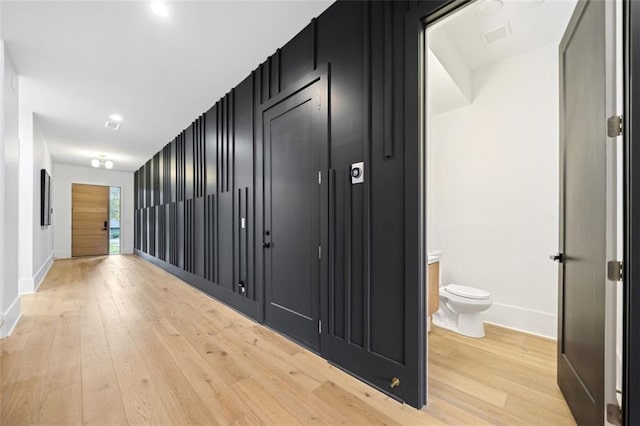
<point x="25" y="286"/>
<point x="62" y="254"/>
<point x="42" y="272"/>
<point x="30" y="285"/>
<point x="522" y="319"/>
<point x="10" y="318"/>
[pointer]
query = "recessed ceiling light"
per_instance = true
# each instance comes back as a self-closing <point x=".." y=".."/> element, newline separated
<point x="95" y="162"/>
<point x="108" y="164"/>
<point x="112" y="125"/>
<point x="116" y="117"/>
<point x="159" y="9"/>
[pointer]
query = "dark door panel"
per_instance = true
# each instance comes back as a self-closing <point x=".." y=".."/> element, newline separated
<point x="295" y="142"/>
<point x="583" y="214"/>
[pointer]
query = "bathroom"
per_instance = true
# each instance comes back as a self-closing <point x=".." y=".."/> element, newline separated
<point x="492" y="173"/>
<point x="493" y="158"/>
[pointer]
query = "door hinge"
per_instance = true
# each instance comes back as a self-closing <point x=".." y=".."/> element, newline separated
<point x="319" y="327"/>
<point x="319" y="102"/>
<point x="614" y="414"/>
<point x="319" y="177"/>
<point x="319" y="252"/>
<point x="614" y="270"/>
<point x="614" y="126"/>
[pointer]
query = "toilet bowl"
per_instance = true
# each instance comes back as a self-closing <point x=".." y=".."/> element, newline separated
<point x="460" y="309"/>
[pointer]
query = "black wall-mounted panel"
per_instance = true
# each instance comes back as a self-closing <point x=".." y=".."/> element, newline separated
<point x="297" y="57"/>
<point x="209" y="188"/>
<point x="198" y="236"/>
<point x="189" y="163"/>
<point x="211" y="150"/>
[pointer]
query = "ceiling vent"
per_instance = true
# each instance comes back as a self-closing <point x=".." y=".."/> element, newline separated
<point x="112" y="125"/>
<point x="496" y="34"/>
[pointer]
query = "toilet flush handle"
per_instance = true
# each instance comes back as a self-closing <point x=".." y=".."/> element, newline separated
<point x="558" y="257"/>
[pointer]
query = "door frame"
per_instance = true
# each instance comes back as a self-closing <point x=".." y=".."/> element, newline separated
<point x="416" y="22"/>
<point x="631" y="214"/>
<point x="320" y="75"/>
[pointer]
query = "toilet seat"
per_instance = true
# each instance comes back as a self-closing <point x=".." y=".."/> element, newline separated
<point x="467" y="292"/>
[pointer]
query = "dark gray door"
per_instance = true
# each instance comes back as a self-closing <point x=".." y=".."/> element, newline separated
<point x="295" y="141"/>
<point x="581" y="321"/>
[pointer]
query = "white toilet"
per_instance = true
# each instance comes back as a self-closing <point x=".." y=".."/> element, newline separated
<point x="460" y="309"/>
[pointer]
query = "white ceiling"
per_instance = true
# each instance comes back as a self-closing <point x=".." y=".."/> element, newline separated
<point x="82" y="61"/>
<point x="533" y="23"/>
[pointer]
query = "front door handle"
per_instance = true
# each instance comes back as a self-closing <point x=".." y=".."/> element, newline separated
<point x="105" y="226"/>
<point x="558" y="257"/>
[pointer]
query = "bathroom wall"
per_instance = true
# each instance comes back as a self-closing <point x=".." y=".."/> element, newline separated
<point x="493" y="199"/>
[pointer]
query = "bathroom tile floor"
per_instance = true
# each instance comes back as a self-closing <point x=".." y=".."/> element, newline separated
<point x="507" y="378"/>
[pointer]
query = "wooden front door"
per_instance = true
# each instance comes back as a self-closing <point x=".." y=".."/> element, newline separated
<point x="90" y="220"/>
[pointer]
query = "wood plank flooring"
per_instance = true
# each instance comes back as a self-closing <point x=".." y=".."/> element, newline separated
<point x="115" y="340"/>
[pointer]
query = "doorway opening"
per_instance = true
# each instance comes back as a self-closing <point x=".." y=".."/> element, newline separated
<point x="495" y="168"/>
<point x="114" y="220"/>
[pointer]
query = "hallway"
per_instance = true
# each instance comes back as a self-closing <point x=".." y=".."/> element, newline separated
<point x="116" y="340"/>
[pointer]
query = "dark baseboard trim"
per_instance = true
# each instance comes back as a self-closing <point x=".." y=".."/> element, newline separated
<point x="241" y="304"/>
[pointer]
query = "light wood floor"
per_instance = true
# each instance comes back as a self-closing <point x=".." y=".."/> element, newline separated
<point x="115" y="340"/>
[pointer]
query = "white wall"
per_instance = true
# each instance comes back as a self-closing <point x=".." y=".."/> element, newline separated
<point x="10" y="299"/>
<point x="35" y="246"/>
<point x="63" y="177"/>
<point x="25" y="202"/>
<point x="493" y="201"/>
<point x="42" y="235"/>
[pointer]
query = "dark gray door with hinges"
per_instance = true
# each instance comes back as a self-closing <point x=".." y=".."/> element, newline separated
<point x="582" y="257"/>
<point x="295" y="135"/>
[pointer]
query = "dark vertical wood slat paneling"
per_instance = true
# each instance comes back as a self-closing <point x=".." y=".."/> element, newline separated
<point x="388" y="81"/>
<point x="264" y="82"/>
<point x="239" y="231"/>
<point x="231" y="183"/>
<point x="211" y="178"/>
<point x="332" y="248"/>
<point x="151" y="244"/>
<point x="148" y="187"/>
<point x="189" y="162"/>
<point x="347" y="256"/>
<point x="366" y="155"/>
<point x="246" y="240"/>
<point x="275" y="73"/>
<point x="160" y="185"/>
<point x="314" y="43"/>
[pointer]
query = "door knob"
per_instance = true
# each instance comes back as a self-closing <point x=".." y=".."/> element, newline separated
<point x="105" y="226"/>
<point x="558" y="257"/>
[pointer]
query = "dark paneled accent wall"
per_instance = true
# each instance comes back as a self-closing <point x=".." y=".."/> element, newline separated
<point x="200" y="207"/>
